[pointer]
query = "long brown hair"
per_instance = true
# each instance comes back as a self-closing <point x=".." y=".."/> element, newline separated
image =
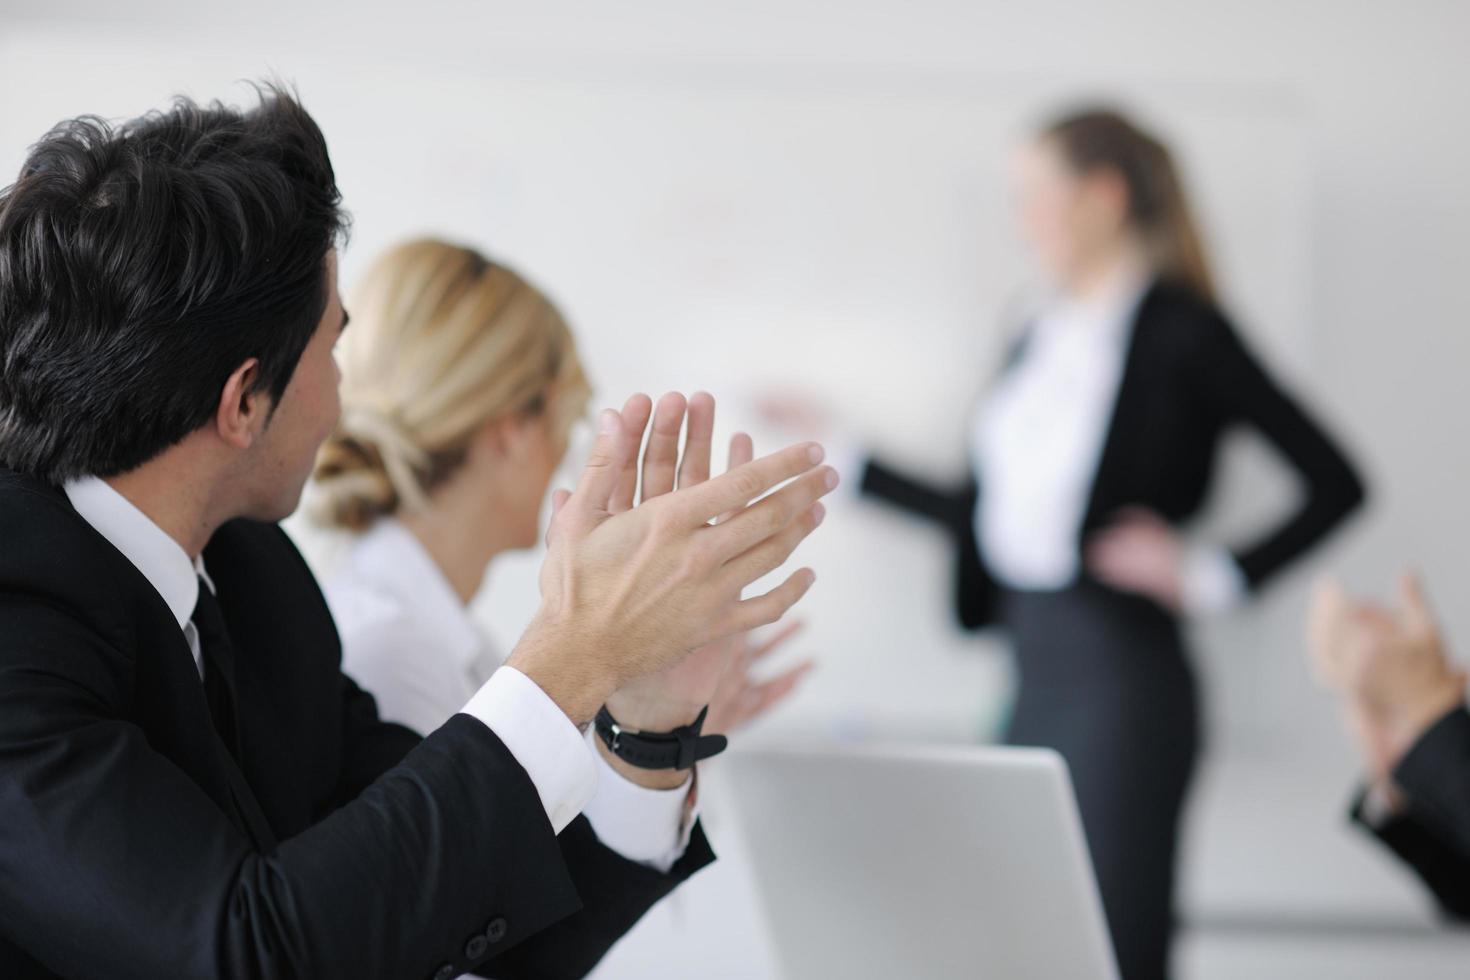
<point x="1158" y="208"/>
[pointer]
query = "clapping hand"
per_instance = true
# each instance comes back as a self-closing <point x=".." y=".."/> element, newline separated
<point x="628" y="592"/>
<point x="1390" y="666"/>
<point x="718" y="673"/>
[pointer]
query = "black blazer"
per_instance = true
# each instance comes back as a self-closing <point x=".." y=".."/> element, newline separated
<point x="133" y="846"/>
<point x="1187" y="378"/>
<point x="1433" y="834"/>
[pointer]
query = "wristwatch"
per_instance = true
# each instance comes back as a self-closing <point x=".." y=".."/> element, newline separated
<point x="678" y="749"/>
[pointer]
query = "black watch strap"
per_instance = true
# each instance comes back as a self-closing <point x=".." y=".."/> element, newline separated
<point x="678" y="749"/>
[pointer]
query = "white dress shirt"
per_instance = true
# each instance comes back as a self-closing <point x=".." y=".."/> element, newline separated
<point x="560" y="762"/>
<point x="152" y="552"/>
<point x="1038" y="442"/>
<point x="409" y="641"/>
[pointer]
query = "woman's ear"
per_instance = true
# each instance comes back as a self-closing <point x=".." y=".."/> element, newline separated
<point x="500" y="438"/>
<point x="243" y="407"/>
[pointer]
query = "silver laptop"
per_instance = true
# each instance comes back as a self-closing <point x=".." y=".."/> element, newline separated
<point x="904" y="862"/>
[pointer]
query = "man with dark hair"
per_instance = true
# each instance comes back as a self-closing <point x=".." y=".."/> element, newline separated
<point x="189" y="785"/>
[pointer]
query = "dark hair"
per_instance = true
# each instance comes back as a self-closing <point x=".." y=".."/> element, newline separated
<point x="1098" y="139"/>
<point x="141" y="264"/>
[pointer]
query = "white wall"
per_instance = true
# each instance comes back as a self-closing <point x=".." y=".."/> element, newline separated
<point x="728" y="196"/>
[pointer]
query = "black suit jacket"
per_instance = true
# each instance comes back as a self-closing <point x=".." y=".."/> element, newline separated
<point x="1433" y="834"/>
<point x="1187" y="378"/>
<point x="132" y="845"/>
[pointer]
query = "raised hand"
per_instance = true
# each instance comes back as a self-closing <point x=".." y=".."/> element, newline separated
<point x="626" y="593"/>
<point x="675" y="696"/>
<point x="740" y="698"/>
<point x="1391" y="667"/>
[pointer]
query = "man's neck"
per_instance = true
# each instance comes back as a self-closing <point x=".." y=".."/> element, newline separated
<point x="170" y="495"/>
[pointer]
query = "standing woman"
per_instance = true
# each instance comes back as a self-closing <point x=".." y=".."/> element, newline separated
<point x="460" y="386"/>
<point x="1093" y="448"/>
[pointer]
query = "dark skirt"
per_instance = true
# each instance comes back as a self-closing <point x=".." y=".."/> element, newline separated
<point x="1104" y="680"/>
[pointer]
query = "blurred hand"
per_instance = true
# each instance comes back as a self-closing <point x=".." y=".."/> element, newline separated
<point x="1390" y="667"/>
<point x="794" y="412"/>
<point x="1139" y="553"/>
<point x="740" y="698"/>
<point x="627" y="593"/>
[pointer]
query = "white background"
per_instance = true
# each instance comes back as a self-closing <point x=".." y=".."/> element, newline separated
<point x="738" y="196"/>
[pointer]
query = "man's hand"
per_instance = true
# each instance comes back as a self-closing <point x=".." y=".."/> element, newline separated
<point x="674" y="697"/>
<point x="627" y="593"/>
<point x="1390" y="666"/>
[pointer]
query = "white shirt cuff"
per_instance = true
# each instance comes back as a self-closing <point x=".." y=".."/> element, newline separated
<point x="543" y="740"/>
<point x="649" y="826"/>
<point x="1378" y="810"/>
<point x="1213" y="582"/>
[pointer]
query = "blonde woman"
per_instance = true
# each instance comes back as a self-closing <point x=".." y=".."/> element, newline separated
<point x="461" y="383"/>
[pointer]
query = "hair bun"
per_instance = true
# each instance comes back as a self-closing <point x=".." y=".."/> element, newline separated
<point x="350" y="488"/>
<point x="368" y="468"/>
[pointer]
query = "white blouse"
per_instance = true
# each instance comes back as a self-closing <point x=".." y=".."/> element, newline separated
<point x="1038" y="441"/>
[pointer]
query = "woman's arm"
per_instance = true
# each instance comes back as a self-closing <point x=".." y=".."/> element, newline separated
<point x="951" y="506"/>
<point x="1240" y="389"/>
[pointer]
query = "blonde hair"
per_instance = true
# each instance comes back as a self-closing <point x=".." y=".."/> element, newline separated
<point x="442" y="341"/>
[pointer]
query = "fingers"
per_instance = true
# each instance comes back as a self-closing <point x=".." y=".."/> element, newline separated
<point x="1373" y="617"/>
<point x="770" y="554"/>
<point x="771" y="530"/>
<point x="1414" y="607"/>
<point x="774" y="641"/>
<point x="765" y="696"/>
<point x="757" y="700"/>
<point x="635" y="418"/>
<point x="1111" y="556"/>
<point x="793" y="411"/>
<point x="1104" y="548"/>
<point x="610" y="453"/>
<point x="698" y="441"/>
<point x="1325" y="621"/>
<point x="558" y="500"/>
<point x="1132" y="515"/>
<point x="763" y="610"/>
<point x="662" y="454"/>
<point x="742" y="451"/>
<point x="740" y="486"/>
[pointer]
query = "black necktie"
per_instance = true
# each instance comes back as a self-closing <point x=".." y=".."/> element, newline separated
<point x="218" y="658"/>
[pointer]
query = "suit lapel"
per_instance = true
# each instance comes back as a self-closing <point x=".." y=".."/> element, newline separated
<point x="171" y="698"/>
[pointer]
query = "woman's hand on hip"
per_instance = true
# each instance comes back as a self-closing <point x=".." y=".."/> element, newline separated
<point x="1140" y="553"/>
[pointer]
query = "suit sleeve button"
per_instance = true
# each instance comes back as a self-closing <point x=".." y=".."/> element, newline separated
<point x="446" y="972"/>
<point x="477" y="947"/>
<point x="497" y="929"/>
